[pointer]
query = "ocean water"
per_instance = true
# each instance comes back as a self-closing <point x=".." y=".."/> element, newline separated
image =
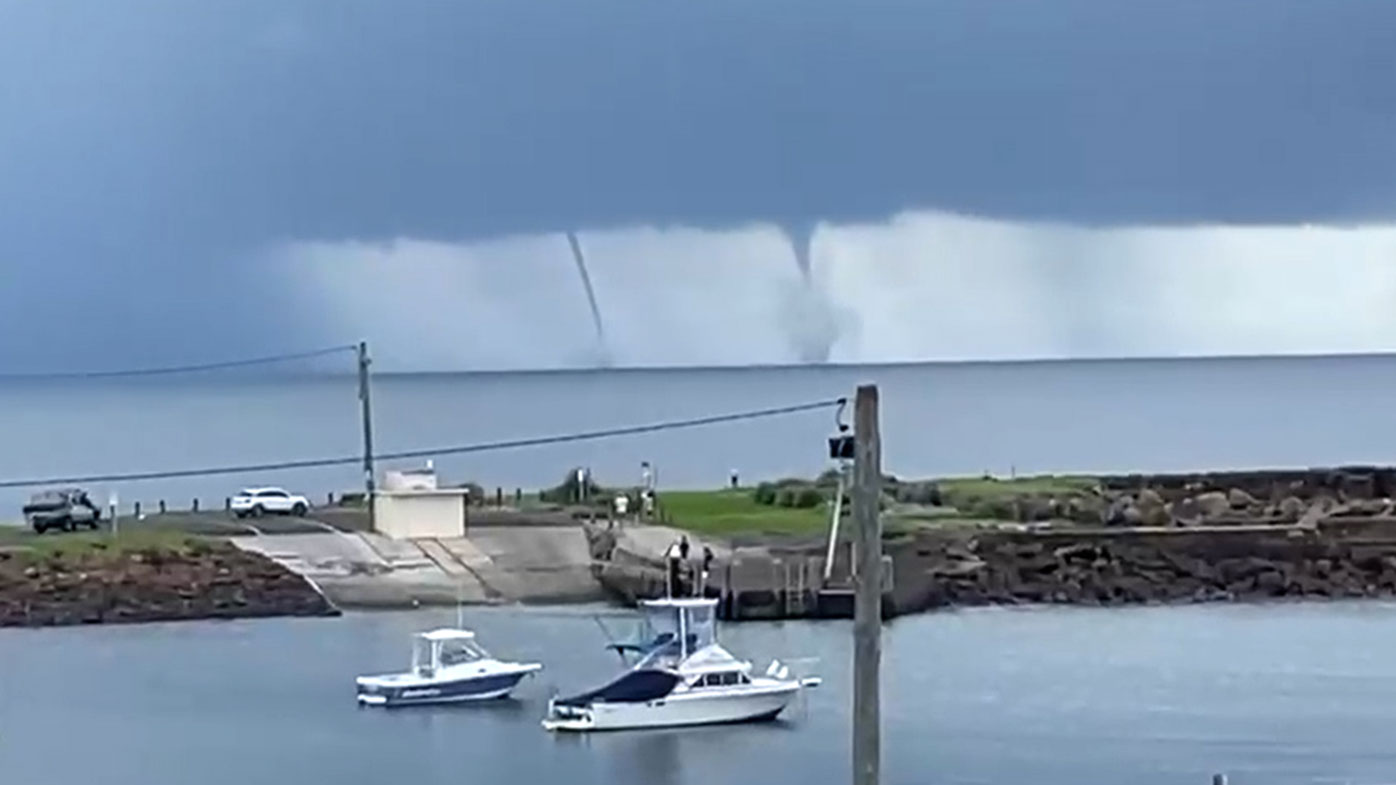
<point x="1294" y="694"/>
<point x="937" y="419"/>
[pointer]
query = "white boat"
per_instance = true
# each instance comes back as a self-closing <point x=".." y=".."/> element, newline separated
<point x="683" y="677"/>
<point x="447" y="666"/>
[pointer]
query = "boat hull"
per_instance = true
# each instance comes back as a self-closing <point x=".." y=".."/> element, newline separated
<point x="676" y="711"/>
<point x="480" y="688"/>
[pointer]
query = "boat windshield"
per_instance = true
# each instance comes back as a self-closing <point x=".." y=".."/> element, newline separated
<point x="458" y="652"/>
<point x="429" y="654"/>
<point x="673" y="632"/>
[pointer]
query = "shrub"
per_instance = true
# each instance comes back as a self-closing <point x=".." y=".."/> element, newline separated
<point x="567" y="492"/>
<point x="925" y="493"/>
<point x="992" y="509"/>
<point x="806" y="498"/>
<point x="785" y="497"/>
<point x="476" y="491"/>
<point x="765" y="493"/>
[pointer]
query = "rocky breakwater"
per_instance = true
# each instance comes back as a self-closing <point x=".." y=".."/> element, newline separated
<point x="1121" y="568"/>
<point x="1245" y="497"/>
<point x="96" y="581"/>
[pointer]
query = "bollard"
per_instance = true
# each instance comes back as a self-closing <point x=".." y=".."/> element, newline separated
<point x="195" y="507"/>
<point x="498" y="496"/>
<point x="518" y="497"/>
<point x="329" y="499"/>
<point x="138" y="510"/>
<point x="227" y="504"/>
<point x="162" y="506"/>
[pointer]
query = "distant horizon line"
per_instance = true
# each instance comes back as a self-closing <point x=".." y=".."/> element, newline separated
<point x="777" y="366"/>
<point x="1059" y="360"/>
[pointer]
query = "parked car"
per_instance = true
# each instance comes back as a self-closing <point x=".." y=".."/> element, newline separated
<point x="257" y="502"/>
<point x="65" y="509"/>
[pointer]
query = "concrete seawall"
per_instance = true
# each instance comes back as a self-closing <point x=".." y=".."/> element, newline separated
<point x="965" y="567"/>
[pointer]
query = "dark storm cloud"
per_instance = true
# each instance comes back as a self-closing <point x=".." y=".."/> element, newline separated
<point x="149" y="149"/>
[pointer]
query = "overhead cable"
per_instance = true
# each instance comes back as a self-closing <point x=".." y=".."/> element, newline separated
<point x="537" y="441"/>
<point x="177" y="369"/>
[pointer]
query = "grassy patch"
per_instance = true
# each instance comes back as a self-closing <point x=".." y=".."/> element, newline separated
<point x="98" y="545"/>
<point x="730" y="512"/>
<point x="989" y="487"/>
<point x="969" y="501"/>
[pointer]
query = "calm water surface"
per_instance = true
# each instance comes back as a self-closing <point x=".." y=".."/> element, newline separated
<point x="937" y="419"/>
<point x="1273" y="695"/>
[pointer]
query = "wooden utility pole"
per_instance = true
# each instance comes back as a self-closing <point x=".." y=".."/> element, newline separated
<point x="366" y="407"/>
<point x="867" y="584"/>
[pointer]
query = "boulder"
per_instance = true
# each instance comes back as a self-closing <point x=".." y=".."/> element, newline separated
<point x="959" y="568"/>
<point x="1131" y="516"/>
<point x="1213" y="504"/>
<point x="1290" y="509"/>
<point x="1123" y="512"/>
<point x="1088" y="511"/>
<point x="1185" y="512"/>
<point x="1271" y="582"/>
<point x="1152" y="509"/>
<point x="1240" y="500"/>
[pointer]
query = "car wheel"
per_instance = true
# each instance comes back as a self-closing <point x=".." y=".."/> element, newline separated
<point x="67" y="526"/>
<point x="257" y="511"/>
<point x="298" y="510"/>
<point x="39" y="528"/>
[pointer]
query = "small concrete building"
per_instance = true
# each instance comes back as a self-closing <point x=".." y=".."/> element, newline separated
<point x="410" y="505"/>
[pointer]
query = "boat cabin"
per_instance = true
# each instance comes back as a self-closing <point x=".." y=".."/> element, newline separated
<point x="723" y="678"/>
<point x="676" y="629"/>
<point x="443" y="648"/>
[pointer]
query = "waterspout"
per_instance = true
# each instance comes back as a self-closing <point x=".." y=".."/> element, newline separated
<point x="603" y="350"/>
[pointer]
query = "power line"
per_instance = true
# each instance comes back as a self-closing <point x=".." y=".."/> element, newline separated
<point x="174" y="369"/>
<point x="536" y="441"/>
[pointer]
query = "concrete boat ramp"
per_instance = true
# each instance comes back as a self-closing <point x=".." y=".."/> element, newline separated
<point x="491" y="564"/>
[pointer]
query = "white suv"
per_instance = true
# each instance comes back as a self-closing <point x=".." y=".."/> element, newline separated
<point x="260" y="501"/>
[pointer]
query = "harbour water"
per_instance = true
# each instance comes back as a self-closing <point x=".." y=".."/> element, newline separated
<point x="1284" y="694"/>
<point x="938" y="419"/>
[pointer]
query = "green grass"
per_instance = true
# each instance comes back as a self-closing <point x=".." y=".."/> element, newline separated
<point x="984" y="488"/>
<point x="98" y="545"/>
<point x="730" y="513"/>
<point x="727" y="513"/>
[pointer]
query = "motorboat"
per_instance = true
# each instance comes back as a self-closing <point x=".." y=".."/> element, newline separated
<point x="682" y="676"/>
<point x="448" y="666"/>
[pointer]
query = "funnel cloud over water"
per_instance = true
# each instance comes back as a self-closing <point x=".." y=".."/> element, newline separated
<point x="808" y="315"/>
<point x="920" y="286"/>
<point x="601" y="348"/>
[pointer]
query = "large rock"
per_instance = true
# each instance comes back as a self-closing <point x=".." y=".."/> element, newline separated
<point x="1239" y="500"/>
<point x="1152" y="510"/>
<point x="1213" y="504"/>
<point x="1290" y="509"/>
<point x="1185" y="512"/>
<point x="1123" y="512"/>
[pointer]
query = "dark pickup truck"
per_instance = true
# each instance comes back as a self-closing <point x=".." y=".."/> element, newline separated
<point x="65" y="509"/>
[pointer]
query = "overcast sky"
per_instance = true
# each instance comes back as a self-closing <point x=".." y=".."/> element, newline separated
<point x="974" y="179"/>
